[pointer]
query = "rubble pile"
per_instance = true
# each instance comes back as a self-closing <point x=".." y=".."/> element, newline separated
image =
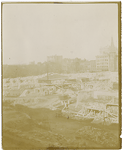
<point x="48" y="112"/>
<point x="102" y="85"/>
<point x="99" y="118"/>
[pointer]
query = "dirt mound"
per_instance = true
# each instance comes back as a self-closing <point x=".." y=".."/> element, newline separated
<point x="41" y="128"/>
<point x="106" y="138"/>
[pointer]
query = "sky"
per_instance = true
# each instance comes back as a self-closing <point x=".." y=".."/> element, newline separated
<point x="31" y="32"/>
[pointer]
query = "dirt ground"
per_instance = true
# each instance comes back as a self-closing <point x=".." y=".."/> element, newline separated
<point x="25" y="127"/>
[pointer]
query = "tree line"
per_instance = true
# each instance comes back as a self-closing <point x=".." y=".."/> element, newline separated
<point x="13" y="71"/>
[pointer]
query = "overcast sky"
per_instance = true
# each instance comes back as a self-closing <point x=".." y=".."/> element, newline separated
<point x="31" y="32"/>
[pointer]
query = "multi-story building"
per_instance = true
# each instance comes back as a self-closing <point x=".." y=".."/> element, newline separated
<point x="75" y="65"/>
<point x="113" y="62"/>
<point x="55" y="58"/>
<point x="54" y="63"/>
<point x="102" y="62"/>
<point x="68" y="65"/>
<point x="108" y="59"/>
<point x="92" y="65"/>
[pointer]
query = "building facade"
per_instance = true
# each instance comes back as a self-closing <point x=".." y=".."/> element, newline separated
<point x="55" y="58"/>
<point x="102" y="62"/>
<point x="92" y="65"/>
<point x="108" y="59"/>
<point x="54" y="63"/>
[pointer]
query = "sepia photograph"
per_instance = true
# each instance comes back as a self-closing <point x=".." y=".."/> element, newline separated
<point x="61" y="75"/>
